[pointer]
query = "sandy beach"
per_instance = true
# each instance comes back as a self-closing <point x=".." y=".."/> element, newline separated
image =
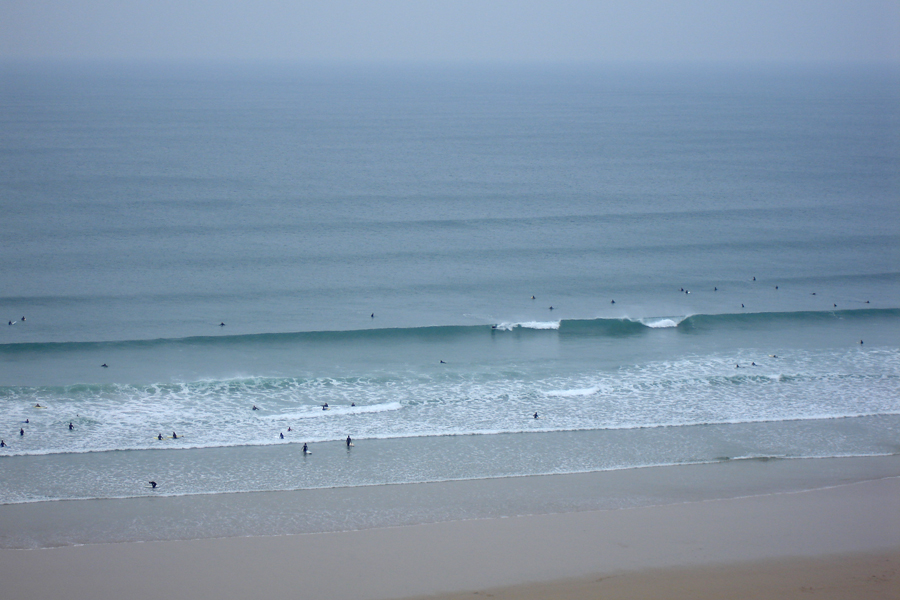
<point x="831" y="542"/>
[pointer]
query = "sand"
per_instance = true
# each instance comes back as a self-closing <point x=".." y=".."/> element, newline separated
<point x="841" y="541"/>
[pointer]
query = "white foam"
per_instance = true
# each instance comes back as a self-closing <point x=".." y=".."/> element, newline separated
<point x="661" y="322"/>
<point x="567" y="393"/>
<point x="528" y="325"/>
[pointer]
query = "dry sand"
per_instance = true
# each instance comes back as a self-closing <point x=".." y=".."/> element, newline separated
<point x="842" y="542"/>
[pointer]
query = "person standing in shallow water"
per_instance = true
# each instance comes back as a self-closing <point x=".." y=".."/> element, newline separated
<point x="349" y="441"/>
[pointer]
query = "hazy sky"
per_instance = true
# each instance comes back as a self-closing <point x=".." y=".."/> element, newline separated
<point x="460" y="30"/>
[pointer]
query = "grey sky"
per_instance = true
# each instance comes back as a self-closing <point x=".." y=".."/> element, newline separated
<point x="462" y="30"/>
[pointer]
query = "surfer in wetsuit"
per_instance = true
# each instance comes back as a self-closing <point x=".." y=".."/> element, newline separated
<point x="71" y="427"/>
<point x="305" y="450"/>
<point x="2" y="444"/>
<point x="282" y="435"/>
<point x="254" y="407"/>
<point x="159" y="437"/>
<point x="152" y="484"/>
<point x="535" y="415"/>
<point x="22" y="432"/>
<point x="174" y="436"/>
<point x="349" y="441"/>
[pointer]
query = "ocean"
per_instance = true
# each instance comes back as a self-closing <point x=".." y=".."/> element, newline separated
<point x="666" y="265"/>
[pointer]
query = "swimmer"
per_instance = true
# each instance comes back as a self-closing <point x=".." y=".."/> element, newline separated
<point x="174" y="436"/>
<point x="159" y="437"/>
<point x="71" y="427"/>
<point x="153" y="484"/>
<point x="105" y="366"/>
<point x="349" y="441"/>
<point x="282" y="435"/>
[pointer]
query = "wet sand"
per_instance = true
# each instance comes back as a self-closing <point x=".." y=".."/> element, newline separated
<point x="839" y="541"/>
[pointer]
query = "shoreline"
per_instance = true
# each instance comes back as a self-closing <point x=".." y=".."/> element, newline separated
<point x="561" y="551"/>
<point x="330" y="510"/>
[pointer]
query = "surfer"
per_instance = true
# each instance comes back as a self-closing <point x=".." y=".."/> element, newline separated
<point x="28" y="420"/>
<point x="776" y="287"/>
<point x="23" y="319"/>
<point x="221" y="324"/>
<point x="282" y="435"/>
<point x="613" y="302"/>
<point x="754" y="279"/>
<point x="289" y="429"/>
<point x="551" y="308"/>
<point x="443" y="363"/>
<point x="153" y="484"/>
<point x="22" y="432"/>
<point x="325" y="406"/>
<point x="372" y="315"/>
<point x="255" y="407"/>
<point x="174" y="436"/>
<point x="860" y="342"/>
<point x="105" y="366"/>
<point x="2" y="444"/>
<point x="742" y="305"/>
<point x="159" y="437"/>
<point x="535" y="415"/>
<point x="38" y="405"/>
<point x="349" y="441"/>
<point x="10" y="322"/>
<point x="533" y="298"/>
<point x="71" y="427"/>
<point x="715" y="289"/>
<point x="353" y="404"/>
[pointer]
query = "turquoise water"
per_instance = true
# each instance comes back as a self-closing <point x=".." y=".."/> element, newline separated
<point x="715" y="244"/>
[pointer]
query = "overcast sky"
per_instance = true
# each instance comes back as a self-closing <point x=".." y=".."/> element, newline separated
<point x="454" y="31"/>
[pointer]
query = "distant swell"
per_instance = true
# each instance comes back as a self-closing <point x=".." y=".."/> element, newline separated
<point x="596" y="327"/>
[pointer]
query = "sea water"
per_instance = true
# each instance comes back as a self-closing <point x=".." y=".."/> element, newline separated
<point x="483" y="272"/>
